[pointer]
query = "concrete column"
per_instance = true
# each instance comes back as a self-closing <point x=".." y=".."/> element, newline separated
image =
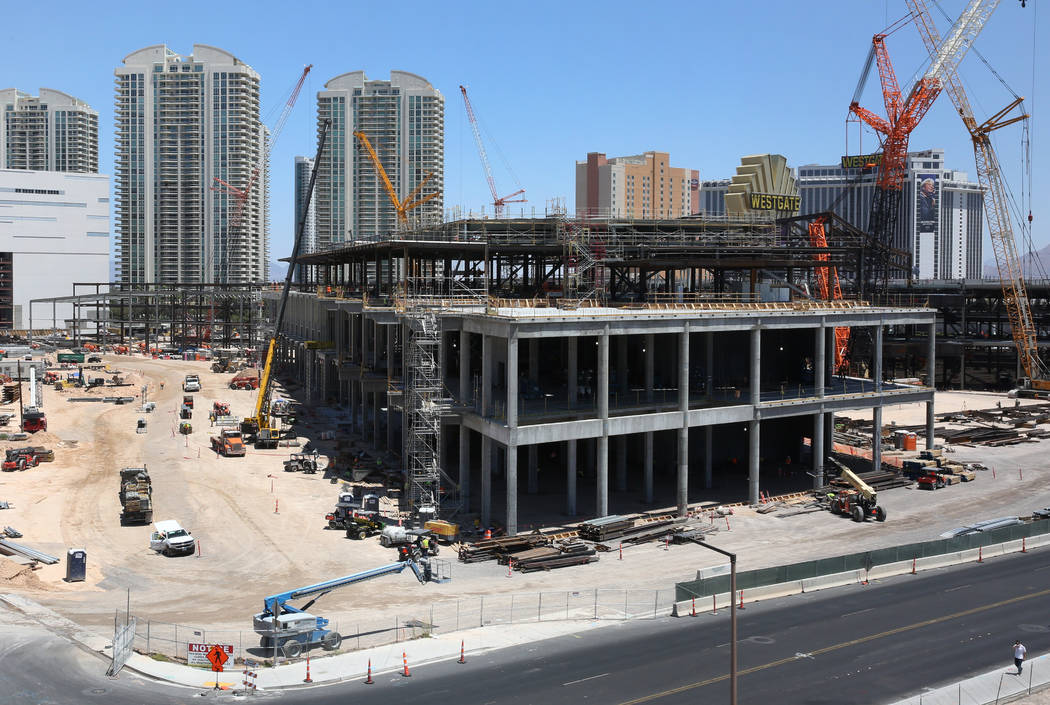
<point x="512" y="489"/>
<point x="389" y="351"/>
<point x="756" y="365"/>
<point x="572" y="373"/>
<point x="650" y="358"/>
<point x="486" y="374"/>
<point x="621" y="364"/>
<point x="464" y="365"/>
<point x="819" y="361"/>
<point x="602" y="468"/>
<point x="931" y="356"/>
<point x="486" y="481"/>
<point x="389" y="416"/>
<point x="570" y="477"/>
<point x="709" y="366"/>
<point x="753" y="457"/>
<point x="647" y="464"/>
<point x="464" y="466"/>
<point x="512" y="382"/>
<point x="709" y="479"/>
<point x="876" y="374"/>
<point x="534" y="360"/>
<point x="931" y="381"/>
<point x="375" y="419"/>
<point x="683" y="432"/>
<point x="621" y="463"/>
<point x="818" y="451"/>
<point x="876" y="439"/>
<point x="534" y="470"/>
<point x="353" y="404"/>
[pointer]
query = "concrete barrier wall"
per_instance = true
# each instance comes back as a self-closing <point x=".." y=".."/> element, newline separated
<point x="853" y="577"/>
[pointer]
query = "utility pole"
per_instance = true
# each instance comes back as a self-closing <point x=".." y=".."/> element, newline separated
<point x="21" y="416"/>
<point x="732" y="618"/>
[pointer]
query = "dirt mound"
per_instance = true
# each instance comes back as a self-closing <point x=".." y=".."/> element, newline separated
<point x="15" y="575"/>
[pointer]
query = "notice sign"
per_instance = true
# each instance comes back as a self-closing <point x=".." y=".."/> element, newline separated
<point x="197" y="654"/>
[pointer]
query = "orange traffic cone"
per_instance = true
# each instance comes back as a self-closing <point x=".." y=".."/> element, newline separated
<point x="368" y="680"/>
<point x="404" y="658"/>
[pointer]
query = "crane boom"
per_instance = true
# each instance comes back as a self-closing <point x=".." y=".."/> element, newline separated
<point x="902" y="116"/>
<point x="400" y="207"/>
<point x="259" y="423"/>
<point x="497" y="203"/>
<point x="276" y="602"/>
<point x="996" y="208"/>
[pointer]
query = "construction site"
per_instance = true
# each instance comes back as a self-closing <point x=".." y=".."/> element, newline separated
<point x="518" y="411"/>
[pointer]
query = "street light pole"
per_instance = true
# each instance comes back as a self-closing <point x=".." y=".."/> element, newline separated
<point x="732" y="619"/>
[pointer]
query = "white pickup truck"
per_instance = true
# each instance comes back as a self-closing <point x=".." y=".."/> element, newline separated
<point x="192" y="383"/>
<point x="171" y="539"/>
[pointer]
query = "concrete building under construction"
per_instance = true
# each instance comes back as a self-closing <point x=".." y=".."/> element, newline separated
<point x="524" y="367"/>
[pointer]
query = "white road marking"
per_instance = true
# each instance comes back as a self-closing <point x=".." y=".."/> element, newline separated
<point x="850" y="614"/>
<point x="960" y="587"/>
<point x="588" y="678"/>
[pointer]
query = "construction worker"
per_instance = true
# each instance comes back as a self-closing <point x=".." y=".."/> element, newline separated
<point x="424" y="545"/>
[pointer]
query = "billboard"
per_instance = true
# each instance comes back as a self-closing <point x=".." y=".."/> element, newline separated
<point x="774" y="202"/>
<point x="861" y="161"/>
<point x="927" y="202"/>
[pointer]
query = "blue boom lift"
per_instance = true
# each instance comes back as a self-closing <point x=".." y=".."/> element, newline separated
<point x="296" y="629"/>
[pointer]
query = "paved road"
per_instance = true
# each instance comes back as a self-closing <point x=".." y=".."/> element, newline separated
<point x="849" y="645"/>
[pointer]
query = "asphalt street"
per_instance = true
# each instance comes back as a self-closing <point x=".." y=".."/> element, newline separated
<point x="859" y="644"/>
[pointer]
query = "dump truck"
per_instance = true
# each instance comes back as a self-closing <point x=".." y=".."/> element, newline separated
<point x="136" y="496"/>
<point x="228" y="443"/>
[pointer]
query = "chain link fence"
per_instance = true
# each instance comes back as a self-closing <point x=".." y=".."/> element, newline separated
<point x="168" y="641"/>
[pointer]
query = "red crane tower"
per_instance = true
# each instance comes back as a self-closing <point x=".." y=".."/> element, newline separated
<point x="497" y="203"/>
<point x="241" y="195"/>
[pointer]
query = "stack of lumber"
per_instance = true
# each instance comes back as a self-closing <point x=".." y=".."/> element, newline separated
<point x="656" y="528"/>
<point x="500" y="548"/>
<point x="562" y="554"/>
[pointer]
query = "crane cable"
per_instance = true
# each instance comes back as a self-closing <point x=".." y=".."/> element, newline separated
<point x="1024" y="222"/>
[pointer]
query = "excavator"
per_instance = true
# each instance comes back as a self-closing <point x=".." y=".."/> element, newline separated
<point x="293" y="629"/>
<point x="259" y="426"/>
<point x="859" y="502"/>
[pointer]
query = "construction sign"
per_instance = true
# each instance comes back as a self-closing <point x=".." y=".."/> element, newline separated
<point x="208" y="655"/>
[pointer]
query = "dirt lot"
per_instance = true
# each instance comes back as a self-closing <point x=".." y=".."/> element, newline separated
<point x="249" y="550"/>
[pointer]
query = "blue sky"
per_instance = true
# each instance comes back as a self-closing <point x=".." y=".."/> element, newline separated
<point x="706" y="81"/>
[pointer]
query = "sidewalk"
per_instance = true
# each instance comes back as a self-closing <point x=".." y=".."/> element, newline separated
<point x="997" y="686"/>
<point x="354" y="665"/>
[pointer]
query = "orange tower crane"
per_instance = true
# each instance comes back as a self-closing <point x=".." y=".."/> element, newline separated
<point x="498" y="203"/>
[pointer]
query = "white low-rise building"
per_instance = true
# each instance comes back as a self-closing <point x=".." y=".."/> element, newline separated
<point x="54" y="230"/>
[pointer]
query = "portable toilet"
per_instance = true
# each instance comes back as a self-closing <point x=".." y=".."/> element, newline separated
<point x="76" y="565"/>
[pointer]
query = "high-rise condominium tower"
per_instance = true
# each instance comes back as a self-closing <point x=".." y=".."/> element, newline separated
<point x="50" y="132"/>
<point x="404" y="120"/>
<point x="182" y="122"/>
